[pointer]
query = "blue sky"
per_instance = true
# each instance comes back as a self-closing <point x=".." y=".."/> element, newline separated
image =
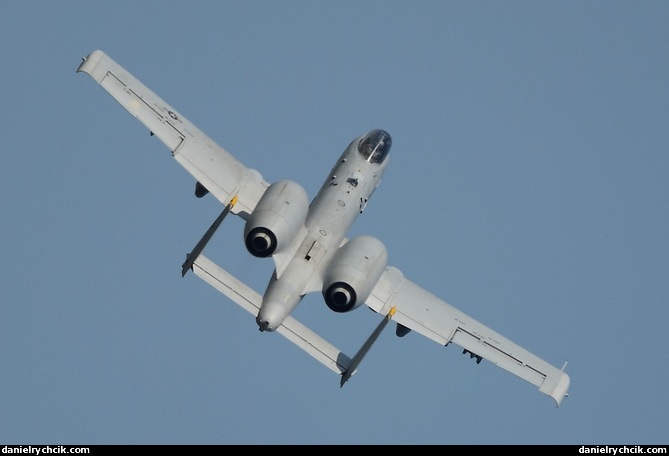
<point x="527" y="186"/>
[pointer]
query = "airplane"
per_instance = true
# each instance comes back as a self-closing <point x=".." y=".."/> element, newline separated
<point x="308" y="245"/>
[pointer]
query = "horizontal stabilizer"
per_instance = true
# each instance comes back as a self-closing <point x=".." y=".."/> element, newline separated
<point x="250" y="300"/>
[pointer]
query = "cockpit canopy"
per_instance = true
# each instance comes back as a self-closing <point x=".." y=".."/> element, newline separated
<point x="375" y="145"/>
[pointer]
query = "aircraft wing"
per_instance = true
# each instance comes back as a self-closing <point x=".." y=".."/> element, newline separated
<point x="426" y="314"/>
<point x="210" y="164"/>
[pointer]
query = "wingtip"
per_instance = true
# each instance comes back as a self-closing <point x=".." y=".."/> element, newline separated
<point x="90" y="62"/>
<point x="561" y="389"/>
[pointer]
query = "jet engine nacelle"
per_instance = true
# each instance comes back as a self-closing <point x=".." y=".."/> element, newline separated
<point x="353" y="273"/>
<point x="276" y="219"/>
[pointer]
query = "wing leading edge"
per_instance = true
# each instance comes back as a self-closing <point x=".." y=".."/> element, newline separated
<point x="421" y="311"/>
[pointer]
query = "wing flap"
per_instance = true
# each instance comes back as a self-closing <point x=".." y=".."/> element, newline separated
<point x="421" y="311"/>
<point x="210" y="164"/>
<point x="250" y="300"/>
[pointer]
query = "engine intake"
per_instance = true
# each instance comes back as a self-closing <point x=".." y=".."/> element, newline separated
<point x="276" y="219"/>
<point x="353" y="273"/>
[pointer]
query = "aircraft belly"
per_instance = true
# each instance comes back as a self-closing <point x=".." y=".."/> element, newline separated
<point x="284" y="293"/>
<point x="333" y="212"/>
